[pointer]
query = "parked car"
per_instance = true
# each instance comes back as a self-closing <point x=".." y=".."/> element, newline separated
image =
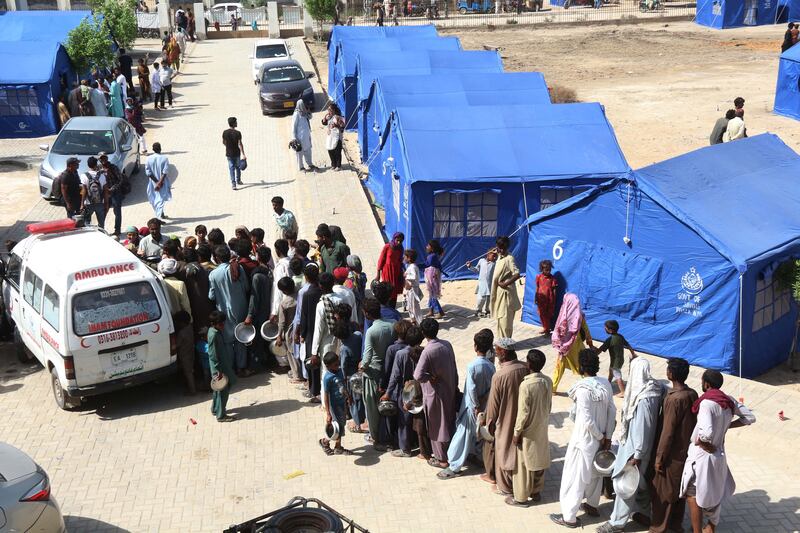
<point x="283" y="83"/>
<point x="26" y="503"/>
<point x="266" y="51"/>
<point x="83" y="137"/>
<point x="222" y="12"/>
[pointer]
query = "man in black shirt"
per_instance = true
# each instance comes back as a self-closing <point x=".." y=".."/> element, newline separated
<point x="234" y="151"/>
<point x="70" y="184"/>
<point x="125" y="67"/>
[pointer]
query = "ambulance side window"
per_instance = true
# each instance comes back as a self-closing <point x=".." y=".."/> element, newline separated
<point x="32" y="290"/>
<point x="50" y="310"/>
<point x="14" y="269"/>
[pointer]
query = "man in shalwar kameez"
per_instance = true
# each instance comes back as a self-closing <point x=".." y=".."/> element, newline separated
<point x="159" y="189"/>
<point x="504" y="298"/>
<point x="639" y="417"/>
<point x="593" y="415"/>
<point x="707" y="481"/>
<point x="530" y="432"/>
<point x="501" y="415"/>
<point x="437" y="373"/>
<point x="227" y="288"/>
<point x="476" y="392"/>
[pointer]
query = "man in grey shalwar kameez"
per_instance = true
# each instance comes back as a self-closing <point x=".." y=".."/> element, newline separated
<point x="437" y="373"/>
<point x="639" y="420"/>
<point x="228" y="288"/>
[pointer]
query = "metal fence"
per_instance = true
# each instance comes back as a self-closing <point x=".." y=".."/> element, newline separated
<point x="465" y="13"/>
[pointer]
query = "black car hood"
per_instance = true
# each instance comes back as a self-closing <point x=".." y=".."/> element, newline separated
<point x="288" y="87"/>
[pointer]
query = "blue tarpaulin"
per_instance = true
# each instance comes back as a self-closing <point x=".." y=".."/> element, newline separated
<point x="344" y="90"/>
<point x="467" y="174"/>
<point x="33" y="66"/>
<point x="787" y="90"/>
<point x="459" y="89"/>
<point x="341" y="34"/>
<point x="721" y="14"/>
<point x="676" y="252"/>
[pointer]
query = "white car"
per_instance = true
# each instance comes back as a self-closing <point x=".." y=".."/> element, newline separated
<point x="222" y="12"/>
<point x="268" y="51"/>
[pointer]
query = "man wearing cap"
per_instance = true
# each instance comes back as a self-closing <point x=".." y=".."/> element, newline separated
<point x="70" y="183"/>
<point x="182" y="317"/>
<point x="115" y="183"/>
<point x="95" y="193"/>
<point x="500" y="456"/>
<point x="158" y="187"/>
<point x="132" y="238"/>
<point x="593" y="416"/>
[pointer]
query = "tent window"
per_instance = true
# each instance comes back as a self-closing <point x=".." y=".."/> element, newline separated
<point x="461" y="214"/>
<point x="18" y="102"/>
<point x="552" y="195"/>
<point x="771" y="303"/>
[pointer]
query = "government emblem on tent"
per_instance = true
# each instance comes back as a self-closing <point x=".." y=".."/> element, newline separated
<point x="692" y="282"/>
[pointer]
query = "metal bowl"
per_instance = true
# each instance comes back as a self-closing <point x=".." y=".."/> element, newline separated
<point x="244" y="333"/>
<point x="269" y="331"/>
<point x="219" y="384"/>
<point x="332" y="430"/>
<point x="412" y="394"/>
<point x="280" y="353"/>
<point x="387" y="408"/>
<point x="357" y="383"/>
<point x="626" y="482"/>
<point x="604" y="462"/>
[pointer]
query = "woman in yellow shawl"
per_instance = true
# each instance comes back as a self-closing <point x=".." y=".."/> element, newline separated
<point x="568" y="336"/>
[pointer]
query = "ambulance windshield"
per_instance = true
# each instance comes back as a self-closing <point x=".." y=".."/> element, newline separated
<point x="113" y="308"/>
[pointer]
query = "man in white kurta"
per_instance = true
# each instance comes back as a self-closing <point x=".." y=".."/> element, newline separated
<point x="593" y="415"/>
<point x="707" y="480"/>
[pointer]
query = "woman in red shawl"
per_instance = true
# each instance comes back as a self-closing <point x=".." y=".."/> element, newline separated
<point x="390" y="266"/>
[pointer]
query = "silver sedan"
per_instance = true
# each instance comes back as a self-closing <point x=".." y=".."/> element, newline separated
<point x="83" y="137"/>
<point x="25" y="500"/>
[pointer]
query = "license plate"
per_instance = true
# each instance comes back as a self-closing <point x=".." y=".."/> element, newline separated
<point x="288" y="104"/>
<point x="123" y="357"/>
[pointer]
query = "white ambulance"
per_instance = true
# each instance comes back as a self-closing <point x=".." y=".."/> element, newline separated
<point x="88" y="310"/>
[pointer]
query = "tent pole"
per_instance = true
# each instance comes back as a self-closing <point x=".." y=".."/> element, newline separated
<point x="741" y="293"/>
<point x="525" y="201"/>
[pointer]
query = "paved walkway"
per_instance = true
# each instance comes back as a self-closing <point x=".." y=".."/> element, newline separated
<point x="135" y="461"/>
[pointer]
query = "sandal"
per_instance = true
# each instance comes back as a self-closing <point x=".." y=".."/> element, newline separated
<point x="324" y="445"/>
<point x="514" y="503"/>
<point x="342" y="451"/>
<point x="446" y="474"/>
<point x="434" y="462"/>
<point x="226" y="418"/>
<point x="559" y="519"/>
<point x="608" y="528"/>
<point x="589" y="510"/>
<point x="401" y="453"/>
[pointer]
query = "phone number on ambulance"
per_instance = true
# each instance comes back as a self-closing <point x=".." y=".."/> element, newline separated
<point x="118" y="335"/>
<point x="119" y="323"/>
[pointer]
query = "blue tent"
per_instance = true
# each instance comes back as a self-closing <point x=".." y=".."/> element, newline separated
<point x="721" y="14"/>
<point x="457" y="89"/>
<point x="682" y="254"/>
<point x="31" y="75"/>
<point x="48" y="26"/>
<point x="787" y="92"/>
<point x="465" y="175"/>
<point x="371" y="65"/>
<point x="33" y="64"/>
<point x="344" y="90"/>
<point x="341" y="34"/>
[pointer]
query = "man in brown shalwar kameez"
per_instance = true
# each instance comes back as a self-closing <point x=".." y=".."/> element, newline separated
<point x="676" y="422"/>
<point x="501" y="415"/>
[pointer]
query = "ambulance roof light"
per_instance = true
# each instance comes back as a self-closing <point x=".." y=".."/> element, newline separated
<point x="53" y="226"/>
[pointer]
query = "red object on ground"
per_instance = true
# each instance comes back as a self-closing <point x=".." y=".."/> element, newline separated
<point x="780" y="416"/>
<point x="193" y="421"/>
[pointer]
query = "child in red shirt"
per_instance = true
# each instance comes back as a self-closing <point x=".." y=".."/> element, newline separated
<point x="546" y="286"/>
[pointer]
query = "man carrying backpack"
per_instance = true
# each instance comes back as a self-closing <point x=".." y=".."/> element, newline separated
<point x="94" y="192"/>
<point x="118" y="186"/>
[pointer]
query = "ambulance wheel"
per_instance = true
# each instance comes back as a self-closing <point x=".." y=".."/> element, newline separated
<point x="462" y="10"/>
<point x="63" y="400"/>
<point x="24" y="356"/>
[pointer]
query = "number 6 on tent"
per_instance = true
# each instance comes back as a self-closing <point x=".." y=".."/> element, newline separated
<point x="558" y="251"/>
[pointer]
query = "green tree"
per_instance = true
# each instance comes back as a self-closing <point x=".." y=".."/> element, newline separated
<point x="88" y="46"/>
<point x="321" y="10"/>
<point x="120" y="17"/>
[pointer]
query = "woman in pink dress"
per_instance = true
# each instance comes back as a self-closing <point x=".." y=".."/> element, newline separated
<point x="390" y="266"/>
